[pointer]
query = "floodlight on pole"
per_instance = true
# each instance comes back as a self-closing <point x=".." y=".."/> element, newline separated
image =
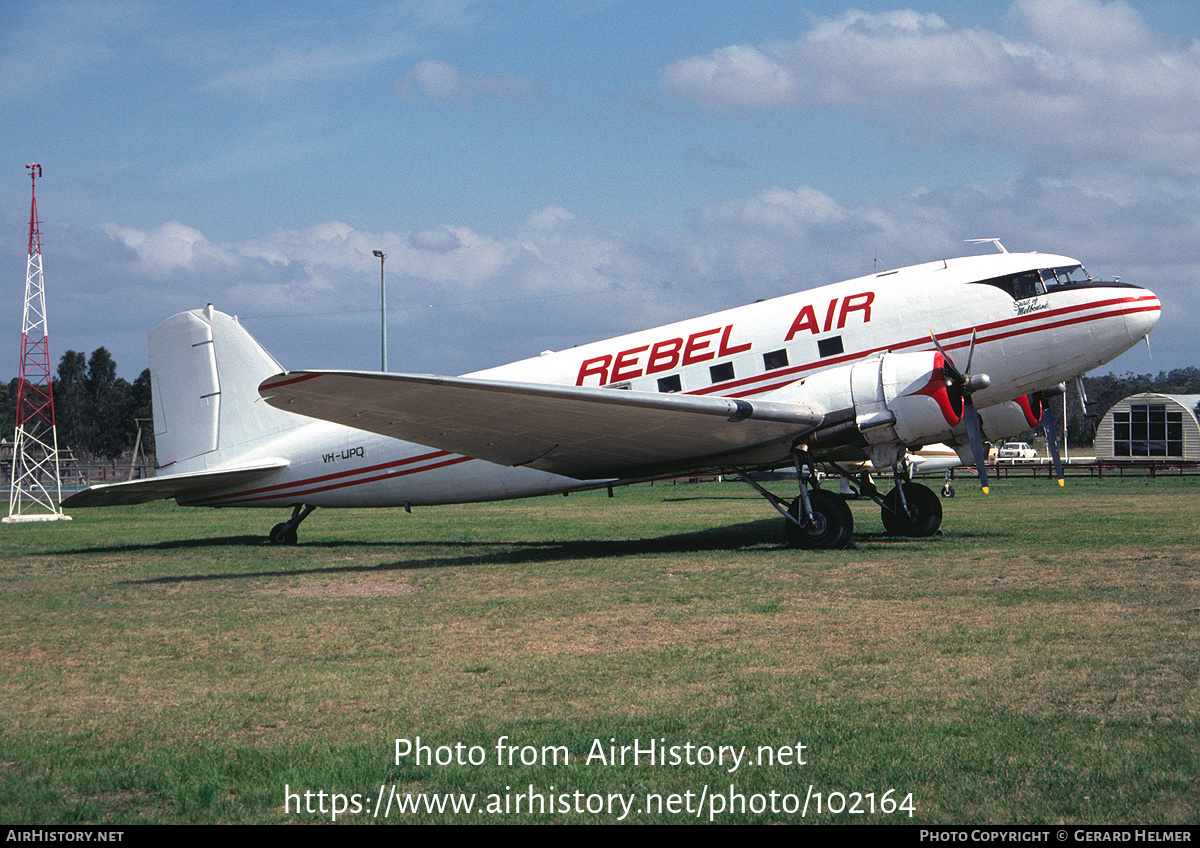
<point x="382" y="312"/>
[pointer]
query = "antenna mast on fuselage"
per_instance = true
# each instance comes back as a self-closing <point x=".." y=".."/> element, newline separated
<point x="992" y="241"/>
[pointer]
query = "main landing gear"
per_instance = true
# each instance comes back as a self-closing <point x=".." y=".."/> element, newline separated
<point x="820" y="519"/>
<point x="285" y="533"/>
<point x="817" y="519"/>
<point x="911" y="509"/>
<point x="828" y="524"/>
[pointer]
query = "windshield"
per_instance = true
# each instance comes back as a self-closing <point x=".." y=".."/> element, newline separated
<point x="1029" y="284"/>
<point x="1070" y="275"/>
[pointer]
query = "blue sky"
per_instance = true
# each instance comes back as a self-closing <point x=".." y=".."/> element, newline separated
<point x="543" y="174"/>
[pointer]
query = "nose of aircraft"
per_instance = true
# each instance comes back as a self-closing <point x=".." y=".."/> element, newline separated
<point x="1142" y="314"/>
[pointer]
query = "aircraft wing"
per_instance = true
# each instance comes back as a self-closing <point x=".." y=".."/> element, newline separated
<point x="583" y="432"/>
<point x="169" y="486"/>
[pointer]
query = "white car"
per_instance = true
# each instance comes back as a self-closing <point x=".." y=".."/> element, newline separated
<point x="1017" y="452"/>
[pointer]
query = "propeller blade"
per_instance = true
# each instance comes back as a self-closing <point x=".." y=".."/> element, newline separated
<point x="1051" y="425"/>
<point x="968" y="385"/>
<point x="949" y="366"/>
<point x="961" y="378"/>
<point x="971" y="419"/>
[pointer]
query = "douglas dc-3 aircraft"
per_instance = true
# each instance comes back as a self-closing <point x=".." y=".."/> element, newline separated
<point x="953" y="351"/>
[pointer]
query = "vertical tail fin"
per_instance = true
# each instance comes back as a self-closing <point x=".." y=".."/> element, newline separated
<point x="205" y="370"/>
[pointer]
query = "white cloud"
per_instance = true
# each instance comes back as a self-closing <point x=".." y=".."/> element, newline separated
<point x="288" y="64"/>
<point x="1087" y="25"/>
<point x="732" y="77"/>
<point x="441" y="81"/>
<point x="777" y="209"/>
<point x="169" y="247"/>
<point x="261" y="55"/>
<point x="1088" y="80"/>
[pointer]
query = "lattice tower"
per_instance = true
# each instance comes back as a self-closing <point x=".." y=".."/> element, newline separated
<point x="36" y="489"/>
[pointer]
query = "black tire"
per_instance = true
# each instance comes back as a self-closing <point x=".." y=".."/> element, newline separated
<point x="833" y="523"/>
<point x="926" y="512"/>
<point x="281" y="535"/>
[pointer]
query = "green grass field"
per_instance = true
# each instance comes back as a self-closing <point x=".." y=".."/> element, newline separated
<point x="1040" y="662"/>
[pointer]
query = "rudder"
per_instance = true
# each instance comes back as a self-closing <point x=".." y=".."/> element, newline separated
<point x="205" y="370"/>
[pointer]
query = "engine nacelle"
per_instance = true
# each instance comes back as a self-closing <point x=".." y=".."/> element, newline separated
<point x="1009" y="418"/>
<point x="896" y="398"/>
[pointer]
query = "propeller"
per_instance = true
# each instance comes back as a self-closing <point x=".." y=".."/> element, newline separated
<point x="1051" y="424"/>
<point x="967" y="384"/>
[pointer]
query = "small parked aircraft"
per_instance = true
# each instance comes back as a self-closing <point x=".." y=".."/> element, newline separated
<point x="926" y="460"/>
<point x="952" y="351"/>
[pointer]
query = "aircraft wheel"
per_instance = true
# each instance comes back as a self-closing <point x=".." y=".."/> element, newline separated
<point x="833" y="523"/>
<point x="926" y="512"/>
<point x="948" y="491"/>
<point x="282" y="535"/>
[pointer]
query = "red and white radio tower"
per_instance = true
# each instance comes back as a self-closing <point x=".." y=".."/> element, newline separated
<point x="36" y="488"/>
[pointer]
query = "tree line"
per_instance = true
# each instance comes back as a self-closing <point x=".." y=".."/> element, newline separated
<point x="1106" y="391"/>
<point x="95" y="411"/>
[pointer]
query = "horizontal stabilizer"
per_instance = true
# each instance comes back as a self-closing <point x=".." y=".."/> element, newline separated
<point x="178" y="486"/>
<point x="581" y="432"/>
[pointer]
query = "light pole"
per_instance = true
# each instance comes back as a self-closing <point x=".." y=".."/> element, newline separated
<point x="382" y="313"/>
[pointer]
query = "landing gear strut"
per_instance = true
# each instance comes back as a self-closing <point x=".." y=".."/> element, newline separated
<point x="911" y="509"/>
<point x="285" y="533"/>
<point x="828" y="528"/>
<point x="817" y="519"/>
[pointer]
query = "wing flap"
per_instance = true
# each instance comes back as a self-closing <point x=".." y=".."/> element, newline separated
<point x="169" y="486"/>
<point x="581" y="432"/>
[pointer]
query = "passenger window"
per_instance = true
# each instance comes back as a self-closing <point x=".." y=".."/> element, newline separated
<point x="670" y="384"/>
<point x="721" y="373"/>
<point x="775" y="359"/>
<point x="830" y="347"/>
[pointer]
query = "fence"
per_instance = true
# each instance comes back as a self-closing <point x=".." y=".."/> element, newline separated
<point x="1092" y="468"/>
<point x="79" y="475"/>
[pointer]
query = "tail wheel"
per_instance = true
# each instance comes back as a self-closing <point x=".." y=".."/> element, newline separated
<point x="924" y="515"/>
<point x="831" y="527"/>
<point x="281" y="534"/>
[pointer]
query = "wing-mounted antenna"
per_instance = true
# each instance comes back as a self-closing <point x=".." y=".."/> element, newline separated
<point x="992" y="241"/>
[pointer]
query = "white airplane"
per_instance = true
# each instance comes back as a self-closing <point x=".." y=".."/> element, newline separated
<point x="857" y="370"/>
<point x="926" y="460"/>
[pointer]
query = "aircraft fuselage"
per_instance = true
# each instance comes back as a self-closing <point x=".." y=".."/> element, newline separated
<point x="1029" y="336"/>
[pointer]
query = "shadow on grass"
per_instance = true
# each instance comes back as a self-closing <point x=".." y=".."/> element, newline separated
<point x="762" y="534"/>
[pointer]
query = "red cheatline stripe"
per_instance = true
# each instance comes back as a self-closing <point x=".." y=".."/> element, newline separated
<point x="959" y="345"/>
<point x="325" y="477"/>
<point x="795" y="371"/>
<point x="232" y="500"/>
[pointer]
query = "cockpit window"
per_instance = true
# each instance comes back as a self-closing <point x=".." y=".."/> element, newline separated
<point x="1071" y="275"/>
<point x="1033" y="283"/>
<point x="1019" y="286"/>
<point x="1026" y="285"/>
